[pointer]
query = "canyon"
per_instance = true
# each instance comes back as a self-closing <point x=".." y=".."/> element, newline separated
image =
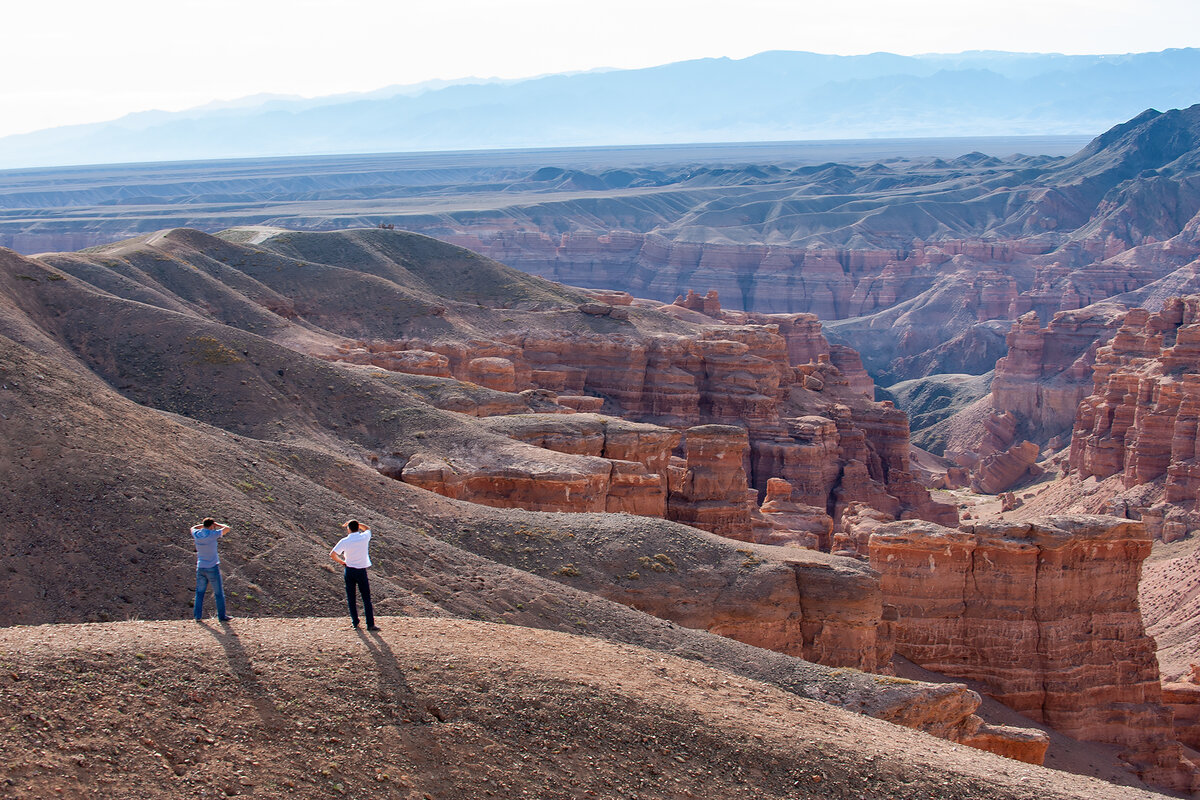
<point x="673" y="441"/>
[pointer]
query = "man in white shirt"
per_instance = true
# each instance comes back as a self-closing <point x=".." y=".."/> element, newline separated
<point x="351" y="552"/>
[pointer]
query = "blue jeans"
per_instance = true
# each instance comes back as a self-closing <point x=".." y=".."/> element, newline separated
<point x="205" y="576"/>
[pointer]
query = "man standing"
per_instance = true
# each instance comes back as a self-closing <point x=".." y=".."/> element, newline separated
<point x="354" y="557"/>
<point x="208" y="567"/>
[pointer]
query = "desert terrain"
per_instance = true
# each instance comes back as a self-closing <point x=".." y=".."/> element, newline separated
<point x="650" y="514"/>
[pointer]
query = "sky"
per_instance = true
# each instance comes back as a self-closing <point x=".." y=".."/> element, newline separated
<point x="66" y="61"/>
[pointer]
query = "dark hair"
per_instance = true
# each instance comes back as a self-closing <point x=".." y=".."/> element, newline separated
<point x="209" y="522"/>
<point x="352" y="525"/>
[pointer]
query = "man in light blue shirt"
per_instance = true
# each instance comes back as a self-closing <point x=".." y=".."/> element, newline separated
<point x="208" y="567"/>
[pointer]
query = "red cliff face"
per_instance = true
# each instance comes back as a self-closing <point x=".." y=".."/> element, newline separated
<point x="1047" y="371"/>
<point x="639" y="454"/>
<point x="811" y="423"/>
<point x="712" y="493"/>
<point x="1141" y="420"/>
<point x="789" y="523"/>
<point x="1021" y="607"/>
<point x="831" y="282"/>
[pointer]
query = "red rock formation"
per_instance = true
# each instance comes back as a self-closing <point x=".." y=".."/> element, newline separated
<point x="395" y="359"/>
<point x="742" y="374"/>
<point x="811" y="605"/>
<point x="709" y="304"/>
<point x="536" y="483"/>
<point x="831" y="282"/>
<point x="1183" y="698"/>
<point x="712" y="493"/>
<point x="1047" y="371"/>
<point x="1000" y="471"/>
<point x="789" y="523"/>
<point x="581" y="403"/>
<point x="857" y="523"/>
<point x="639" y="454"/>
<point x="1142" y="417"/>
<point x="806" y="422"/>
<point x="493" y="373"/>
<point x="610" y="297"/>
<point x="809" y="459"/>
<point x="1021" y="607"/>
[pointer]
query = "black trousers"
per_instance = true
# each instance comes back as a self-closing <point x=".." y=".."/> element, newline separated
<point x="357" y="578"/>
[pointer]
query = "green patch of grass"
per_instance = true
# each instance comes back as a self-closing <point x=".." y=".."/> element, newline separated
<point x="892" y="680"/>
<point x="752" y="560"/>
<point x="661" y="562"/>
<point x="27" y="278"/>
<point x="209" y="350"/>
<point x="251" y="485"/>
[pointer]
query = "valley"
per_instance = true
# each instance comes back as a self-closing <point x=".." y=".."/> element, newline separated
<point x="909" y="433"/>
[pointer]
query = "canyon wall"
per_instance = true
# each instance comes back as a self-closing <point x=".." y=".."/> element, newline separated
<point x="1141" y="420"/>
<point x="831" y="282"/>
<point x="774" y="399"/>
<point x="1047" y="371"/>
<point x="1044" y="614"/>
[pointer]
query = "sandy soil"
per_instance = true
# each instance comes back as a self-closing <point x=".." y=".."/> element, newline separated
<point x="442" y="709"/>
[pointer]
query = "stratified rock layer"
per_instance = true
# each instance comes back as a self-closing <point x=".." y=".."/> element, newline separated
<point x="802" y="408"/>
<point x="1047" y="371"/>
<point x="1142" y="418"/>
<point x="1044" y="614"/>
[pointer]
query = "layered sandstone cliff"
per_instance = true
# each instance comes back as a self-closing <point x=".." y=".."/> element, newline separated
<point x="796" y="408"/>
<point x="1044" y="614"/>
<point x="1142" y="418"/>
<point x="1047" y="371"/>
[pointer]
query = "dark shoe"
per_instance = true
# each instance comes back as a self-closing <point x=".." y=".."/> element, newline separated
<point x="372" y="627"/>
<point x="224" y="619"/>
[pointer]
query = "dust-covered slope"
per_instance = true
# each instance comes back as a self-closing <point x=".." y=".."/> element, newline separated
<point x="444" y="708"/>
<point x="99" y="490"/>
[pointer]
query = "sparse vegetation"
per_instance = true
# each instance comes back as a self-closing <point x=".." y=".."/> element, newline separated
<point x="209" y="350"/>
<point x="661" y="562"/>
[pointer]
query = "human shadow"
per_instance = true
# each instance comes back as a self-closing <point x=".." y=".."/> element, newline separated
<point x="243" y="671"/>
<point x="392" y="683"/>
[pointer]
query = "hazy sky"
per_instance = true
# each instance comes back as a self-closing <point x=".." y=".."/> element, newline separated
<point x="65" y="61"/>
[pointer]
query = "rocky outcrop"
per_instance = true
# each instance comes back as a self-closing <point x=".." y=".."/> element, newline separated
<point x="712" y="492"/>
<point x="1183" y="698"/>
<point x="789" y="523"/>
<point x="394" y="357"/>
<point x="1021" y="608"/>
<point x="1000" y="471"/>
<point x="639" y="454"/>
<point x="1047" y="371"/>
<point x="709" y="304"/>
<point x="1142" y="418"/>
<point x="531" y="480"/>
<point x="493" y="372"/>
<point x="811" y="423"/>
<point x="807" y="604"/>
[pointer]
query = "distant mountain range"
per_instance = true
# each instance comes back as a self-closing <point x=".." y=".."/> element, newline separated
<point x="768" y="97"/>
